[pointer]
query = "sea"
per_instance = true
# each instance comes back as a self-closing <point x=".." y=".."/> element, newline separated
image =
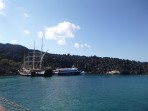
<point x="77" y="93"/>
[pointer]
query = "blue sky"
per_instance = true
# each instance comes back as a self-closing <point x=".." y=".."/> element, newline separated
<point x="106" y="28"/>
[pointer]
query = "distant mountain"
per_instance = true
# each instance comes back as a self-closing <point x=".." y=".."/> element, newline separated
<point x="11" y="58"/>
<point x="11" y="51"/>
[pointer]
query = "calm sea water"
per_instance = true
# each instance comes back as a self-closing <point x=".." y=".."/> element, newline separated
<point x="77" y="93"/>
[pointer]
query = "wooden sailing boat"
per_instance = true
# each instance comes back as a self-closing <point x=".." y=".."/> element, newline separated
<point x="32" y="65"/>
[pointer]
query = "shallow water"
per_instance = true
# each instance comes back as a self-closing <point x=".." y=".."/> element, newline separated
<point x="77" y="93"/>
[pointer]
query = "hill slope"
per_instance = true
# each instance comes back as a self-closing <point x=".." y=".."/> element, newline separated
<point x="11" y="57"/>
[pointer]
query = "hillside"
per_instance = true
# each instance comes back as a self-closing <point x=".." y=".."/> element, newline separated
<point x="12" y="52"/>
<point x="11" y="58"/>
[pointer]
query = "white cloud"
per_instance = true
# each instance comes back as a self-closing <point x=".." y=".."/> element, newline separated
<point x="40" y="34"/>
<point x="61" y="42"/>
<point x="78" y="45"/>
<point x="2" y="7"/>
<point x="61" y="32"/>
<point x="26" y="15"/>
<point x="86" y="45"/>
<point x="27" y="32"/>
<point x="14" y="41"/>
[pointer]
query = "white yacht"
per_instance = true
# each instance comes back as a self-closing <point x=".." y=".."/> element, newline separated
<point x="67" y="71"/>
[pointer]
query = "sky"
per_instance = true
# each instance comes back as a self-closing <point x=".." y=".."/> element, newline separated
<point x="105" y="28"/>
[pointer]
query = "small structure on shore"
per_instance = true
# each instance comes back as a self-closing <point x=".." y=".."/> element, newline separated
<point x="113" y="72"/>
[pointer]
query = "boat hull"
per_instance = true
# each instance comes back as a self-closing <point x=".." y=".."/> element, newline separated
<point x="33" y="73"/>
<point x="68" y="73"/>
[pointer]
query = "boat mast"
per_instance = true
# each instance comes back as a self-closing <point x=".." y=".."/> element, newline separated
<point x="34" y="55"/>
<point x="42" y="46"/>
<point x="41" y="54"/>
<point x="24" y="61"/>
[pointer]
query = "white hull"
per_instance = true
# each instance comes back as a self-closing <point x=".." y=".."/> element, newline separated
<point x="35" y="73"/>
<point x="67" y="71"/>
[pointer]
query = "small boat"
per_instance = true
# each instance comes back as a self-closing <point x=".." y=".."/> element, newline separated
<point x="113" y="72"/>
<point x="66" y="71"/>
<point x="32" y="65"/>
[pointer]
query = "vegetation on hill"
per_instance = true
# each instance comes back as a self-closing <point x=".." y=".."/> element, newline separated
<point x="11" y="58"/>
<point x="8" y="67"/>
<point x="99" y="65"/>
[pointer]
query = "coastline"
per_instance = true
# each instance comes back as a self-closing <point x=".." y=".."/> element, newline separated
<point x="8" y="74"/>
